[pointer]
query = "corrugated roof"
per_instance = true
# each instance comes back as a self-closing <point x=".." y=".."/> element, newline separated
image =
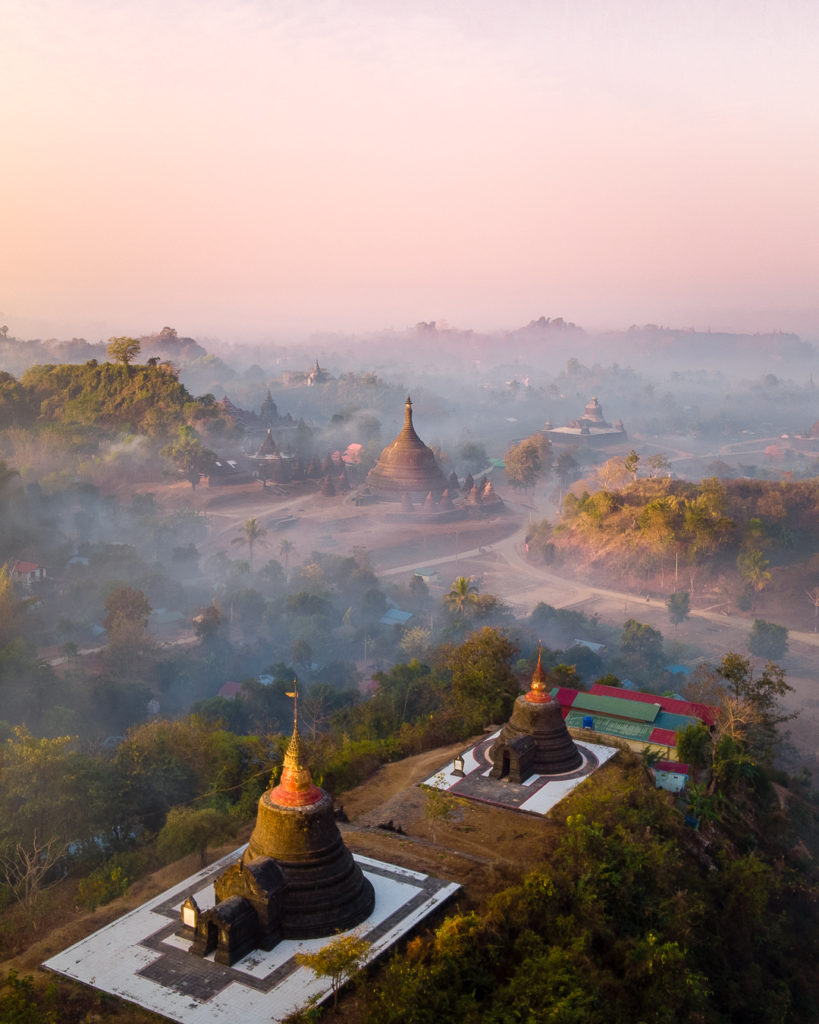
<point x="664" y="737"/>
<point x="395" y="617"/>
<point x="667" y="720"/>
<point x="612" y="726"/>
<point x="619" y="707"/>
<point x="671" y="766"/>
<point x="564" y="695"/>
<point x="706" y="713"/>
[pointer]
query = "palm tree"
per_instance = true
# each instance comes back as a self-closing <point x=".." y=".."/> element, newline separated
<point x="462" y="597"/>
<point x="753" y="568"/>
<point x="254" y="533"/>
<point x="285" y="547"/>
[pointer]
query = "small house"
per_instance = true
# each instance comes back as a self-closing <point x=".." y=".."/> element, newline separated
<point x="27" y="573"/>
<point x="670" y="775"/>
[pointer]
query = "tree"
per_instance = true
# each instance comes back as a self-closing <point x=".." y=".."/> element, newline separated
<point x="123" y="350"/>
<point x="438" y="805"/>
<point x="415" y="641"/>
<point x="642" y="640"/>
<point x="753" y="569"/>
<point x="522" y="464"/>
<point x="190" y="457"/>
<point x="285" y="547"/>
<point x="566" y="467"/>
<point x="631" y="463"/>
<point x="206" y="622"/>
<point x="694" y="745"/>
<point x="813" y="597"/>
<point x="126" y="607"/>
<point x="20" y="1002"/>
<point x="756" y="710"/>
<point x="404" y="694"/>
<point x="462" y="597"/>
<point x="301" y="652"/>
<point x="25" y="868"/>
<point x="339" y="960"/>
<point x="473" y="457"/>
<point x="12" y="608"/>
<point x="254" y="533"/>
<point x="190" y="830"/>
<point x="679" y="606"/>
<point x="483" y="684"/>
<point x="658" y="464"/>
<point x="612" y="473"/>
<point x="768" y="640"/>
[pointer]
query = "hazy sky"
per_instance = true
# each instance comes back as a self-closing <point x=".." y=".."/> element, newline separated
<point x="247" y="168"/>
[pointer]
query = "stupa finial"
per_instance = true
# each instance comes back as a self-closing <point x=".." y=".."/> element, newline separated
<point x="538" y="694"/>
<point x="296" y="787"/>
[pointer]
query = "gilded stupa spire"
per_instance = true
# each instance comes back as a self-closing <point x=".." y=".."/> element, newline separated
<point x="296" y="788"/>
<point x="538" y="694"/>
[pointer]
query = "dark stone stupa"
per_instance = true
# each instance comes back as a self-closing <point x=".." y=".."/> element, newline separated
<point x="407" y="467"/>
<point x="535" y="740"/>
<point x="296" y="880"/>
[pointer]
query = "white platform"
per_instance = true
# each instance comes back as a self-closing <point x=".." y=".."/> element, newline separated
<point x="140" y="958"/>
<point x="538" y="794"/>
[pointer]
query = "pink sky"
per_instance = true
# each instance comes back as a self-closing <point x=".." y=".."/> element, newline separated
<point x="252" y="168"/>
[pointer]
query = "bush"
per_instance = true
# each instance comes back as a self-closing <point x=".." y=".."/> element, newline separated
<point x="767" y="640"/>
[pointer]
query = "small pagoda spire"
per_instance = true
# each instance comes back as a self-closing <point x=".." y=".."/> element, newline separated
<point x="538" y="694"/>
<point x="296" y="788"/>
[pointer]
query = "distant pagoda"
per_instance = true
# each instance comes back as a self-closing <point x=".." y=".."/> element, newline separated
<point x="296" y="880"/>
<point x="407" y="468"/>
<point x="589" y="430"/>
<point x="535" y="740"/>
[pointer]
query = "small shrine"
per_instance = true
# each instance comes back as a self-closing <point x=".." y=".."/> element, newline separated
<point x="295" y="880"/>
<point x="535" y="740"/>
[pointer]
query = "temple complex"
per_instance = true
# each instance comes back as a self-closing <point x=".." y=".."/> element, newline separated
<point x="295" y="880"/>
<point x="317" y="375"/>
<point x="535" y="740"/>
<point x="270" y="463"/>
<point x="407" y="469"/>
<point x="589" y="430"/>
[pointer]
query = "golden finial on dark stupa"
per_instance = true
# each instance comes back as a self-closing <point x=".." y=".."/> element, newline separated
<point x="538" y="694"/>
<point x="296" y="788"/>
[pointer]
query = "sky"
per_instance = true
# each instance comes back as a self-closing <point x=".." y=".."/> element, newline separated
<point x="261" y="169"/>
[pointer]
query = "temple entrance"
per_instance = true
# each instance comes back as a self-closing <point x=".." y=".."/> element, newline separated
<point x="212" y="940"/>
<point x="504" y="772"/>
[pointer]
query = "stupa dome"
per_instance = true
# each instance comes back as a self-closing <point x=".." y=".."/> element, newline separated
<point x="535" y="740"/>
<point x="325" y="890"/>
<point x="406" y="467"/>
<point x="296" y="880"/>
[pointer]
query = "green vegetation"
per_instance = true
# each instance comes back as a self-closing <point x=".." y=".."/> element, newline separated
<point x="527" y="462"/>
<point x="748" y="537"/>
<point x="627" y="918"/>
<point x="679" y="606"/>
<point x="768" y="640"/>
<point x="138" y="399"/>
<point x="339" y="960"/>
<point x="189" y="456"/>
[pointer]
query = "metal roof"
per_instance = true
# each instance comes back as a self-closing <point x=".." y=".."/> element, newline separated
<point x="619" y="707"/>
<point x="611" y="726"/>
